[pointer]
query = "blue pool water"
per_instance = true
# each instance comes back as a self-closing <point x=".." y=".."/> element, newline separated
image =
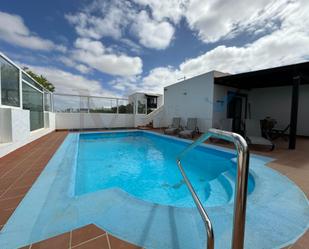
<point x="144" y="165"/>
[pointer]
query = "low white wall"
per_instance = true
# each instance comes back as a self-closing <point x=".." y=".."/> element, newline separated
<point x="191" y="98"/>
<point x="276" y="103"/>
<point x="5" y="125"/>
<point x="50" y="120"/>
<point x="140" y="120"/>
<point x="93" y="120"/>
<point x="20" y="124"/>
<point x="15" y="129"/>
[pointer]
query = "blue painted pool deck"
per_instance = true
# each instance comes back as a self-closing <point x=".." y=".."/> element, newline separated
<point x="277" y="212"/>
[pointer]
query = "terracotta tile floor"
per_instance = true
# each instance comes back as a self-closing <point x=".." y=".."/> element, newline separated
<point x="19" y="170"/>
<point x="88" y="237"/>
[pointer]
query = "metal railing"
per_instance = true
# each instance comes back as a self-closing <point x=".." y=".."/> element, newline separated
<point x="240" y="199"/>
<point x="88" y="103"/>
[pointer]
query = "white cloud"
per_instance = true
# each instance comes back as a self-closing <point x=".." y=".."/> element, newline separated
<point x="66" y="82"/>
<point x="216" y="20"/>
<point x="94" y="47"/>
<point x="83" y="69"/>
<point x="288" y="44"/>
<point x="95" y="55"/>
<point x="102" y="19"/>
<point x="71" y="63"/>
<point x="14" y="31"/>
<point x="153" y="82"/>
<point x="151" y="33"/>
<point x="125" y="85"/>
<point x="116" y="18"/>
<point x="154" y="22"/>
<point x="134" y="47"/>
<point x="162" y="10"/>
<point x="160" y="77"/>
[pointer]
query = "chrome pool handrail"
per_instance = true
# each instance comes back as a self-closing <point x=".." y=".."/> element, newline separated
<point x="240" y="199"/>
<point x="199" y="205"/>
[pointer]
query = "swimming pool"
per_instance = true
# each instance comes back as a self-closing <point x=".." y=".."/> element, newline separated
<point x="143" y="165"/>
<point x="63" y="198"/>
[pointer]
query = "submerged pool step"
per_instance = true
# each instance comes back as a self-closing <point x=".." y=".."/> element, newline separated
<point x="231" y="176"/>
<point x="220" y="192"/>
<point x="223" y="186"/>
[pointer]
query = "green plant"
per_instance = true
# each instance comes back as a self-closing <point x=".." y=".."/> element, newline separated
<point x="41" y="80"/>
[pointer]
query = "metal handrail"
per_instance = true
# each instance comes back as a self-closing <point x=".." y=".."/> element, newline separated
<point x="199" y="205"/>
<point x="240" y="199"/>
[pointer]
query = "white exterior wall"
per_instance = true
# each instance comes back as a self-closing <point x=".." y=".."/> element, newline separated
<point x="160" y="101"/>
<point x="191" y="98"/>
<point x="276" y="103"/>
<point x="15" y="129"/>
<point x="93" y="120"/>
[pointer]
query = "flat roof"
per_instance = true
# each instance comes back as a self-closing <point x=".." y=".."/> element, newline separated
<point x="271" y="77"/>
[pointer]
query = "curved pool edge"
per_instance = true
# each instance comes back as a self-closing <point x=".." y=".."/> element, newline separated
<point x="59" y="170"/>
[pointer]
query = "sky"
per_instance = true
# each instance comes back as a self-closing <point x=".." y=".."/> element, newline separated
<point x="115" y="48"/>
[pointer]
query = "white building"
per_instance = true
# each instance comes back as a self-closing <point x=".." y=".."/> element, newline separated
<point x="280" y="93"/>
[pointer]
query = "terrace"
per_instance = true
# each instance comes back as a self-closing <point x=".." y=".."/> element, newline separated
<point x="37" y="125"/>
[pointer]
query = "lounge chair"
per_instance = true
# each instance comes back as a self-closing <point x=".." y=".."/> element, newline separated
<point x="191" y="129"/>
<point x="279" y="132"/>
<point x="174" y="128"/>
<point x="253" y="135"/>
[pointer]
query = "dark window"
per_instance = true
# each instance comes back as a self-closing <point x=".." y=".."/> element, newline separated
<point x="151" y="102"/>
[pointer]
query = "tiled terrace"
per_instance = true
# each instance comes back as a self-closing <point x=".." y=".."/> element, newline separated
<point x="88" y="237"/>
<point x="19" y="170"/>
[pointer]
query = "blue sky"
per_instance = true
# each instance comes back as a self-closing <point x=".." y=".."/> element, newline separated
<point x="118" y="47"/>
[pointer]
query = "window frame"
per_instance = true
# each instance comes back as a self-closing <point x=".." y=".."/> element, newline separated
<point x="19" y="84"/>
<point x="43" y="104"/>
<point x="21" y="80"/>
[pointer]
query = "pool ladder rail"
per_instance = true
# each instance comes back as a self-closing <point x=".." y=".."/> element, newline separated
<point x="240" y="199"/>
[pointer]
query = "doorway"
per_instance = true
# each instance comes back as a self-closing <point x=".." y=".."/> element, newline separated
<point x="237" y="110"/>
